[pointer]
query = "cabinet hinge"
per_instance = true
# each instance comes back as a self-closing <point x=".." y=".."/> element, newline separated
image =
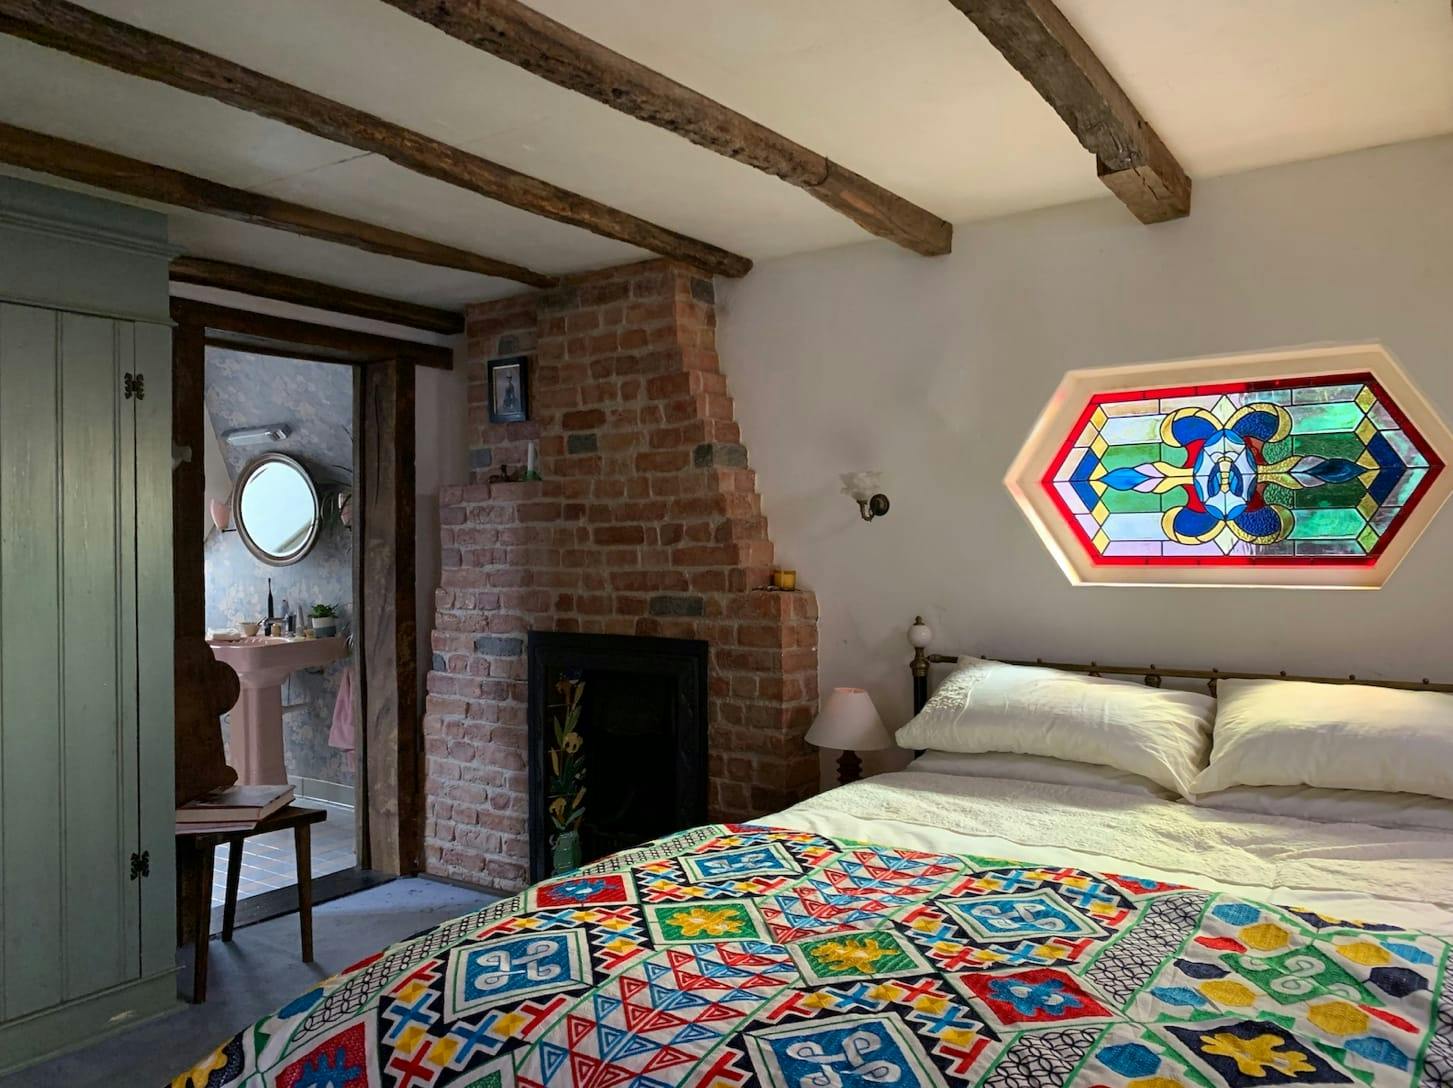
<point x="141" y="864"/>
<point x="133" y="385"/>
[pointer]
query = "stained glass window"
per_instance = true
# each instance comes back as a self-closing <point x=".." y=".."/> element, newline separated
<point x="1303" y="471"/>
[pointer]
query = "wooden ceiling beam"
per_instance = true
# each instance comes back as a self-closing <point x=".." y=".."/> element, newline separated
<point x="119" y="174"/>
<point x="517" y="33"/>
<point x="269" y="334"/>
<point x="1042" y="45"/>
<point x="322" y="296"/>
<point x="70" y="28"/>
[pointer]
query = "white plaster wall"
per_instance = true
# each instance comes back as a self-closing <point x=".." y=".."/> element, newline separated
<point x="933" y="370"/>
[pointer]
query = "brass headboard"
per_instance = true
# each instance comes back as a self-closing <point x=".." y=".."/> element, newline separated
<point x="1151" y="674"/>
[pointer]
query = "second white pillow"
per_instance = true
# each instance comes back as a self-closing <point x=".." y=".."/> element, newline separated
<point x="988" y="706"/>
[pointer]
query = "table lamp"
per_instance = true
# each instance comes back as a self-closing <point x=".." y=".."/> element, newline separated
<point x="849" y="721"/>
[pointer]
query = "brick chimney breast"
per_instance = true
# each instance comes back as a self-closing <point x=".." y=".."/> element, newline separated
<point x="647" y="522"/>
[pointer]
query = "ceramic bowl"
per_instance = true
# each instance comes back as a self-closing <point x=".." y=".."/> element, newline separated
<point x="249" y="629"/>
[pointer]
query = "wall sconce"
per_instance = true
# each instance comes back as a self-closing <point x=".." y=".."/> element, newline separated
<point x="254" y="436"/>
<point x="221" y="515"/>
<point x="864" y="487"/>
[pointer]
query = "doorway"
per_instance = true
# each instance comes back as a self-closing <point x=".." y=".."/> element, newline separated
<point x="386" y="786"/>
<point x="278" y="465"/>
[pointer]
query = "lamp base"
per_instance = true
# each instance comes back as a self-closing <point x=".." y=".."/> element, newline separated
<point x="849" y="768"/>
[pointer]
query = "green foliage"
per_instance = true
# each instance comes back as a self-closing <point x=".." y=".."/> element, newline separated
<point x="566" y="789"/>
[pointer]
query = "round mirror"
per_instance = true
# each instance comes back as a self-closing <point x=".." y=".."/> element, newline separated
<point x="277" y="509"/>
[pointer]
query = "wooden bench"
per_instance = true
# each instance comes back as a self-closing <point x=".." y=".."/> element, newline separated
<point x="196" y="853"/>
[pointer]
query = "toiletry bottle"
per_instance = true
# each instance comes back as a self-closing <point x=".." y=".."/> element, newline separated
<point x="271" y="609"/>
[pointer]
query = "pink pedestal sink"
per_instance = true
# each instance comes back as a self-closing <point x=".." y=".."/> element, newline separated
<point x="262" y="664"/>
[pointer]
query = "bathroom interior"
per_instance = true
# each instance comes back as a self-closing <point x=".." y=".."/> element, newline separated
<point x="279" y="465"/>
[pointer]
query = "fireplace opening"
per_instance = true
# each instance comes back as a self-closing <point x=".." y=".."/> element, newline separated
<point x="617" y="744"/>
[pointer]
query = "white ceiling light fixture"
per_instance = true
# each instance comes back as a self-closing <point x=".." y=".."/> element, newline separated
<point x="256" y="436"/>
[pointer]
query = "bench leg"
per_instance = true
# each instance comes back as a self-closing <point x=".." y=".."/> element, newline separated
<point x="202" y="860"/>
<point x="234" y="874"/>
<point x="303" y="848"/>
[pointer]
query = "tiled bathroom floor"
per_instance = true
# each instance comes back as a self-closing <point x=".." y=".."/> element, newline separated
<point x="268" y="862"/>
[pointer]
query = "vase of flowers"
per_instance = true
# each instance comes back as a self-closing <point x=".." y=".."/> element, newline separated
<point x="567" y="773"/>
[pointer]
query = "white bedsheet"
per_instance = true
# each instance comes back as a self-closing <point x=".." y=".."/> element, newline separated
<point x="1347" y="870"/>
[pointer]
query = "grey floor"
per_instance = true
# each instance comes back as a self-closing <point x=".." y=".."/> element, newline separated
<point x="268" y="862"/>
<point x="258" y="972"/>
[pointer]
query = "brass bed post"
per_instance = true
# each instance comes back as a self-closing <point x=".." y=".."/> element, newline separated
<point x="919" y="666"/>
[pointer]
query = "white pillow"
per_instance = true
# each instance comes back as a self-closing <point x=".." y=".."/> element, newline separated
<point x="1336" y="736"/>
<point x="1395" y="810"/>
<point x="1055" y="772"/>
<point x="987" y="706"/>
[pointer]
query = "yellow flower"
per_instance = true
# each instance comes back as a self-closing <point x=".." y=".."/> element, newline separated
<point x="1255" y="1056"/>
<point x="853" y="954"/>
<point x="572" y="743"/>
<point x="557" y="808"/>
<point x="714" y="923"/>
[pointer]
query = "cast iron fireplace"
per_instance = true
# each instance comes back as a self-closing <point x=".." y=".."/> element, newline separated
<point x="639" y="731"/>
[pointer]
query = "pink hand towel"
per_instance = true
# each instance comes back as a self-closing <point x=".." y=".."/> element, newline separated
<point x="341" y="735"/>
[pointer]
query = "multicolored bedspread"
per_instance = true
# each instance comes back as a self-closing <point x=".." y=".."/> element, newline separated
<point x="743" y="955"/>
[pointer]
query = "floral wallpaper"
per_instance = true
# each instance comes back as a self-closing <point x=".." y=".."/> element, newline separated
<point x="316" y="401"/>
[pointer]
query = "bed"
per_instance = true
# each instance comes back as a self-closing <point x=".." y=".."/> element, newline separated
<point x="920" y="928"/>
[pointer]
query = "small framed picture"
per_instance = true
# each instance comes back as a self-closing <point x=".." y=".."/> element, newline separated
<point x="509" y="390"/>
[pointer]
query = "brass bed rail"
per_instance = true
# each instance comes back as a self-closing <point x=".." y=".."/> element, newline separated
<point x="1152" y="675"/>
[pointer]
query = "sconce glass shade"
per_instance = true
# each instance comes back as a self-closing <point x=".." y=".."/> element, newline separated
<point x="221" y="514"/>
<point x="849" y="721"/>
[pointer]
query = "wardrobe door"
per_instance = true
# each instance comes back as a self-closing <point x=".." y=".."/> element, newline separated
<point x="31" y="878"/>
<point x="68" y="662"/>
<point x="154" y="648"/>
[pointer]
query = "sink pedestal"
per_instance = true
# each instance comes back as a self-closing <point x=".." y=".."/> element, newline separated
<point x="262" y="664"/>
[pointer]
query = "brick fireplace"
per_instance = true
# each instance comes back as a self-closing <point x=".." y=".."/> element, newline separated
<point x="647" y="522"/>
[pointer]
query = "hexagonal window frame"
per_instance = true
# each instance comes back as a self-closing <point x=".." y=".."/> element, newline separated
<point x="1029" y="478"/>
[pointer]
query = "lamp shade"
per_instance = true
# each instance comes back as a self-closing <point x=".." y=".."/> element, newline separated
<point x="849" y="721"/>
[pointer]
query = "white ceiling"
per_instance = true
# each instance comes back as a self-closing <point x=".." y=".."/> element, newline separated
<point x="907" y="93"/>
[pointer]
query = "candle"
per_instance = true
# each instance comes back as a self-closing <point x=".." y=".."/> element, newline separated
<point x="530" y="459"/>
<point x="788" y="579"/>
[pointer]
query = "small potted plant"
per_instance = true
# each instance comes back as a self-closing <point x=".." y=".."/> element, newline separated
<point x="324" y="620"/>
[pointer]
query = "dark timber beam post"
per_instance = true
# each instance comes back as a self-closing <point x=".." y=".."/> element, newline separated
<point x="384" y="617"/>
<point x="58" y="24"/>
<point x="119" y="174"/>
<point x="519" y="34"/>
<point x="1045" y="49"/>
<point x="305" y="292"/>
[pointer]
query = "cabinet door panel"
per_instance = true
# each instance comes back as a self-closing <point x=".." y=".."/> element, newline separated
<point x="30" y="681"/>
<point x="155" y="646"/>
<point x="98" y="769"/>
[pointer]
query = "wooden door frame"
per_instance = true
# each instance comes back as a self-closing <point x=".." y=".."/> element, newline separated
<point x="387" y="709"/>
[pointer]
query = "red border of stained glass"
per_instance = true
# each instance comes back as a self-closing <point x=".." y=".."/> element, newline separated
<point x="1047" y="481"/>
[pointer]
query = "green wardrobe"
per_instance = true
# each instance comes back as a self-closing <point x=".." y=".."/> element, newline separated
<point x="87" y="931"/>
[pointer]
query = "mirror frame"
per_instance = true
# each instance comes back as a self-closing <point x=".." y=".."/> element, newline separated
<point x="258" y="552"/>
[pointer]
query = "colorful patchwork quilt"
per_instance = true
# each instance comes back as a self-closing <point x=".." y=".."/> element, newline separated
<point x="742" y="955"/>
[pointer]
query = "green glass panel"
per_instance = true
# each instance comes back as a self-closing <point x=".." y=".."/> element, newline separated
<point x="1135" y="453"/>
<point x="1278" y="495"/>
<point x="1315" y="418"/>
<point x="1129" y="502"/>
<point x="1368" y="538"/>
<point x="1328" y="445"/>
<point x="1331" y="496"/>
<point x="1327" y="524"/>
<point x="1277" y="451"/>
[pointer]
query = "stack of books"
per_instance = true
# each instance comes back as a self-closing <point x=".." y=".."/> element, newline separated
<point x="234" y="809"/>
